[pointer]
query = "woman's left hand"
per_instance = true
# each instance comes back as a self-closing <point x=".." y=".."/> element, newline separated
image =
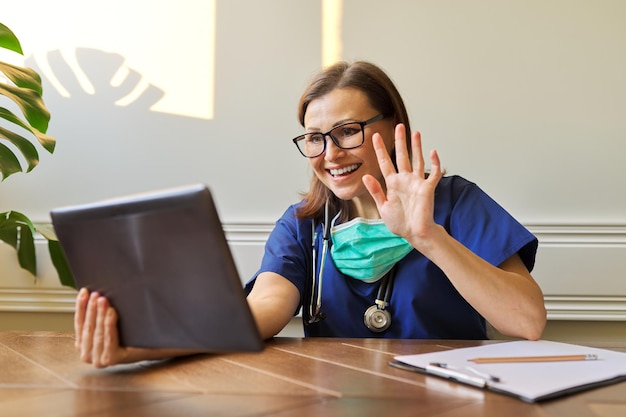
<point x="407" y="204"/>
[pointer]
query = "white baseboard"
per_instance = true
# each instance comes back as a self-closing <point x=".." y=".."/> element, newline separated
<point x="37" y="300"/>
<point x="586" y="308"/>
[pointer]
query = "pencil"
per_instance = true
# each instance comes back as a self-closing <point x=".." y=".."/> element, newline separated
<point x="556" y="358"/>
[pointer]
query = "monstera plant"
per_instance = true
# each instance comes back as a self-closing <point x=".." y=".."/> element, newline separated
<point x="23" y="88"/>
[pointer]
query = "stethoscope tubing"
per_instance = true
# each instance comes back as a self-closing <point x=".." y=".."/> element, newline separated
<point x="315" y="306"/>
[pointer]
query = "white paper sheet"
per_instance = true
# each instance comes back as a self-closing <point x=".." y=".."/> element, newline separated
<point x="530" y="381"/>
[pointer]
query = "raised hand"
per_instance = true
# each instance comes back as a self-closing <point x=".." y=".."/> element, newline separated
<point x="406" y="204"/>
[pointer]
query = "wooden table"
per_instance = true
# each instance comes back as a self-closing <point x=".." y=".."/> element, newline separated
<point x="40" y="375"/>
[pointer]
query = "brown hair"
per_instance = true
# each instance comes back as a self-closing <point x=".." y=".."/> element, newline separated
<point x="382" y="96"/>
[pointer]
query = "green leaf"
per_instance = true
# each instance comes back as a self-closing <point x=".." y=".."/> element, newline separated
<point x="46" y="230"/>
<point x="30" y="103"/>
<point x="26" y="250"/>
<point x="9" y="41"/>
<point x="8" y="232"/>
<point x="26" y="148"/>
<point x="22" y="77"/>
<point x="48" y="142"/>
<point x="18" y="231"/>
<point x="57" y="255"/>
<point x="9" y="164"/>
<point x="60" y="264"/>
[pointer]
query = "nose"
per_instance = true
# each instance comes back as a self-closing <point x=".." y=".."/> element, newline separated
<point x="332" y="151"/>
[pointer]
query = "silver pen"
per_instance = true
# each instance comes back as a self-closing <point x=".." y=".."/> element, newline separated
<point x="456" y="376"/>
<point x="446" y="371"/>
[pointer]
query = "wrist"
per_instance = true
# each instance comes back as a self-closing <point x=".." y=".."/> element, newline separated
<point x="428" y="241"/>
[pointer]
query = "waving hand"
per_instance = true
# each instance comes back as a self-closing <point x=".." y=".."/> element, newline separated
<point x="407" y="203"/>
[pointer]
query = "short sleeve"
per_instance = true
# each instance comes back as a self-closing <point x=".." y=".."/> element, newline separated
<point x="288" y="250"/>
<point x="486" y="228"/>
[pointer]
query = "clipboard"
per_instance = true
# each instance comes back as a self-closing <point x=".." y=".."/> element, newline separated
<point x="528" y="381"/>
<point x="163" y="261"/>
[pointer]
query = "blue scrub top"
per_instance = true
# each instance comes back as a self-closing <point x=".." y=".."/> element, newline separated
<point x="423" y="304"/>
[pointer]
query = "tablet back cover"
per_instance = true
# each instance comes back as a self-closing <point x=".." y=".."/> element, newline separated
<point x="163" y="262"/>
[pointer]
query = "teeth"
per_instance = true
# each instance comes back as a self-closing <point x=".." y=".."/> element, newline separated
<point x="344" y="170"/>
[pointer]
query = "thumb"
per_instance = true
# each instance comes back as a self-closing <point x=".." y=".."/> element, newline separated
<point x="375" y="190"/>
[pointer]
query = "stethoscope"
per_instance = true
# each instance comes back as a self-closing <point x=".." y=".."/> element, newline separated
<point x="376" y="318"/>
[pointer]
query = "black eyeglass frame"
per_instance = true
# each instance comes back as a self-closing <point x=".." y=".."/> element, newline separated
<point x="335" y="141"/>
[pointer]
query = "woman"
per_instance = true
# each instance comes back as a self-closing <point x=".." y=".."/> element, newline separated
<point x="377" y="247"/>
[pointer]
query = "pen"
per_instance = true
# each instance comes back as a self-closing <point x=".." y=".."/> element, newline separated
<point x="455" y="375"/>
<point x="555" y="358"/>
<point x="484" y="375"/>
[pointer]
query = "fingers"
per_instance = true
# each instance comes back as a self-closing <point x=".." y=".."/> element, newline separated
<point x="95" y="323"/>
<point x="418" y="156"/>
<point x="99" y="333"/>
<point x="79" y="315"/>
<point x="403" y="161"/>
<point x="384" y="161"/>
<point x="105" y="339"/>
<point x="88" y="328"/>
<point x="435" y="173"/>
<point x="435" y="167"/>
<point x="375" y="190"/>
<point x="111" y="339"/>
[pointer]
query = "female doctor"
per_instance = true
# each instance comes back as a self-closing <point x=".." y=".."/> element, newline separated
<point x="377" y="247"/>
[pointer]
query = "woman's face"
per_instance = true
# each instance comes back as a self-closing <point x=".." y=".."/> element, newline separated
<point x="341" y="170"/>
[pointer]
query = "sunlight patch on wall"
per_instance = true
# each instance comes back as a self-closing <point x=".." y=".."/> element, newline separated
<point x="332" y="46"/>
<point x="165" y="45"/>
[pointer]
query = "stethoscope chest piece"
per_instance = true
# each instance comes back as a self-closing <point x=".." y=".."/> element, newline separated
<point x="376" y="319"/>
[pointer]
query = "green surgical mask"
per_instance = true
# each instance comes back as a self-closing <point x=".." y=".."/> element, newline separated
<point x="365" y="249"/>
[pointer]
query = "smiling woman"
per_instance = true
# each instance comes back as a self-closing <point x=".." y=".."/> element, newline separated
<point x="406" y="248"/>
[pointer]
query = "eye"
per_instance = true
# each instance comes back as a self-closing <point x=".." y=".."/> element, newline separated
<point x="347" y="130"/>
<point x="314" y="138"/>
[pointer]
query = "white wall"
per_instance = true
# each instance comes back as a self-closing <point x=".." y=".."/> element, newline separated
<point x="527" y="98"/>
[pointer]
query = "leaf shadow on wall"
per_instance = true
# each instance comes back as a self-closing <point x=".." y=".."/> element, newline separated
<point x="123" y="149"/>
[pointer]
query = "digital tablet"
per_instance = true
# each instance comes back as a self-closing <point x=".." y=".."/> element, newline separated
<point x="163" y="261"/>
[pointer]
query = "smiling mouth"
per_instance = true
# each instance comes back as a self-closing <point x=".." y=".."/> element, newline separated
<point x="344" y="171"/>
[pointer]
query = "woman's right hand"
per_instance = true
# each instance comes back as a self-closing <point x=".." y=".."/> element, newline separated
<point x="95" y="327"/>
<point x="97" y="338"/>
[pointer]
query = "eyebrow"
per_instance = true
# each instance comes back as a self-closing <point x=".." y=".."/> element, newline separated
<point x="337" y="123"/>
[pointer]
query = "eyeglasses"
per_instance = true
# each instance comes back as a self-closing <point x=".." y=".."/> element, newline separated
<point x="346" y="136"/>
